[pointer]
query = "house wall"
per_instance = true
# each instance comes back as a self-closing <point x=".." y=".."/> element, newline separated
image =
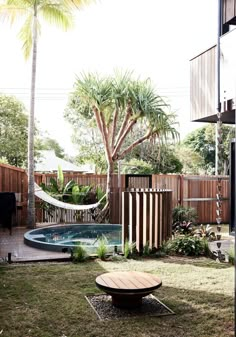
<point x="203" y="82"/>
<point x="229" y="11"/>
<point x="204" y="77"/>
<point x="228" y="66"/>
<point x="202" y="85"/>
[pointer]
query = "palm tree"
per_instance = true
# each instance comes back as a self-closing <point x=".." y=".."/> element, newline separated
<point x="55" y="12"/>
<point x="118" y="105"/>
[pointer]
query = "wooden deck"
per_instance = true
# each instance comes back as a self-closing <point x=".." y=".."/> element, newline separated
<point x="20" y="252"/>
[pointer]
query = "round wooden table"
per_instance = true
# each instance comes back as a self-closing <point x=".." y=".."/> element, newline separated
<point x="127" y="288"/>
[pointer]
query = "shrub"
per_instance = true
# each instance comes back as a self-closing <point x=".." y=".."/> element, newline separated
<point x="146" y="249"/>
<point x="102" y="248"/>
<point x="165" y="249"/>
<point x="129" y="248"/>
<point x="181" y="213"/>
<point x="231" y="254"/>
<point x="79" y="254"/>
<point x="183" y="219"/>
<point x="206" y="249"/>
<point x="187" y="245"/>
<point x="185" y="228"/>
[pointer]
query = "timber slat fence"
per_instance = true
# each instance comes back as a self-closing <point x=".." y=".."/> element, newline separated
<point x="192" y="191"/>
<point x="146" y="217"/>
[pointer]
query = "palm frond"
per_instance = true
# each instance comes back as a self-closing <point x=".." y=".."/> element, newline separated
<point x="94" y="90"/>
<point x="57" y="14"/>
<point x="121" y="88"/>
<point x="12" y="11"/>
<point x="79" y="4"/>
<point x="26" y="36"/>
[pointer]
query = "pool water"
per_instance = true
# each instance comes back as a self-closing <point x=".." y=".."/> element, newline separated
<point x="66" y="237"/>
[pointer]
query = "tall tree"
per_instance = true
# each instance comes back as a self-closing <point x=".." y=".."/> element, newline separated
<point x="48" y="143"/>
<point x="88" y="142"/>
<point x="202" y="141"/>
<point x="13" y="131"/>
<point x="119" y="104"/>
<point x="31" y="11"/>
<point x="161" y="157"/>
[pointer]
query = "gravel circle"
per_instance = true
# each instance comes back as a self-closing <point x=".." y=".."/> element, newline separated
<point x="151" y="306"/>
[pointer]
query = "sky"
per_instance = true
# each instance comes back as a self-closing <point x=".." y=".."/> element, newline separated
<point x="153" y="38"/>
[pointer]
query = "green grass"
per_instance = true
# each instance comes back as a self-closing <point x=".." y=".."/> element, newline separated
<point x="48" y="300"/>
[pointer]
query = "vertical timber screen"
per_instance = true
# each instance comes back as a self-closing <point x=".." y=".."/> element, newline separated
<point x="146" y="217"/>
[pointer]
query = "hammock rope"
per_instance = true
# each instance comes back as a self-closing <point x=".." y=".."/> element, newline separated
<point x="40" y="193"/>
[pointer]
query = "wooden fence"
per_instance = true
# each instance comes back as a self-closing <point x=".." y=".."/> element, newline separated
<point x="146" y="217"/>
<point x="191" y="191"/>
<point x="13" y="179"/>
<point x="198" y="192"/>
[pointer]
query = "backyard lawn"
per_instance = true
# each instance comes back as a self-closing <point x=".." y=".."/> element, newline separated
<point x="48" y="299"/>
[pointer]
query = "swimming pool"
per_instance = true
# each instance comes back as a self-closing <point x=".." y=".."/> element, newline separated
<point x="61" y="238"/>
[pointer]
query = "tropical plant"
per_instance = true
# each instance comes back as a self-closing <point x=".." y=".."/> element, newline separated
<point x="181" y="213"/>
<point x="184" y="227"/>
<point x="102" y="247"/>
<point x="72" y="193"/>
<point x="119" y="104"/>
<point x="206" y="248"/>
<point x="187" y="245"/>
<point x="3" y="160"/>
<point x="59" y="13"/>
<point x="164" y="249"/>
<point x="183" y="219"/>
<point x="129" y="248"/>
<point x="79" y="254"/>
<point x="205" y="232"/>
<point x="146" y="249"/>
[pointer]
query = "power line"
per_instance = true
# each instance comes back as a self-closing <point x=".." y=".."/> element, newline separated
<point x="63" y="93"/>
<point x="71" y="88"/>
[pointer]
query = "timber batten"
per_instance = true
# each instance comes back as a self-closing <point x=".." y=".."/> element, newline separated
<point x="147" y="217"/>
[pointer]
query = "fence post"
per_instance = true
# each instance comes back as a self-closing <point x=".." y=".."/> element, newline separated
<point x="181" y="190"/>
<point x="125" y="217"/>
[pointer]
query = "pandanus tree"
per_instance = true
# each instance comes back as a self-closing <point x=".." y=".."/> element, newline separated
<point x="119" y="104"/>
<point x="31" y="12"/>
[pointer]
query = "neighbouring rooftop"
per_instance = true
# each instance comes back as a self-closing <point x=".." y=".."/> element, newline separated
<point x="49" y="162"/>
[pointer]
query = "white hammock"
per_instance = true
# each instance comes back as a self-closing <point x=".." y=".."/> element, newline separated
<point x="57" y="203"/>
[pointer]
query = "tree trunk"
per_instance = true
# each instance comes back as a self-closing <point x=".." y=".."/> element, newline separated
<point x="31" y="197"/>
<point x="110" y="172"/>
<point x="104" y="214"/>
